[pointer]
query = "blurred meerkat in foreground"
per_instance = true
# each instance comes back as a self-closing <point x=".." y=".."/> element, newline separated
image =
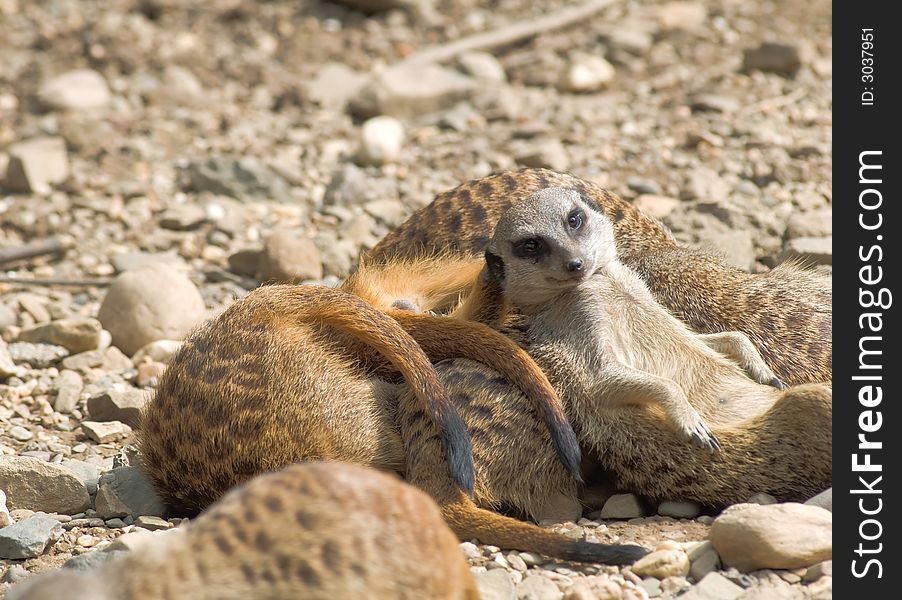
<point x="319" y="531"/>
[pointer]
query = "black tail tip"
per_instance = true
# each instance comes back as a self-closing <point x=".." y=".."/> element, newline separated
<point x="567" y="447"/>
<point x="456" y="440"/>
<point x="606" y="554"/>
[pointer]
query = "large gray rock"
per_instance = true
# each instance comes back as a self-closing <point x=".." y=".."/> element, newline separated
<point x="124" y="406"/>
<point x="245" y="179"/>
<point x="151" y="303"/>
<point x="36" y="164"/>
<point x="127" y="492"/>
<point x="622" y="506"/>
<point x="29" y="538"/>
<point x="38" y="485"/>
<point x="823" y="500"/>
<point x="75" y="334"/>
<point x="775" y="536"/>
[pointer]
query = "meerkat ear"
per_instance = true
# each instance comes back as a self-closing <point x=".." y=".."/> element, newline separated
<point x="494" y="267"/>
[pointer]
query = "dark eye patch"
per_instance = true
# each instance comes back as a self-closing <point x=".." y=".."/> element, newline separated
<point x="532" y="248"/>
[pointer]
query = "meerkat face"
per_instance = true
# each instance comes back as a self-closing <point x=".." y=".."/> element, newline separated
<point x="550" y="242"/>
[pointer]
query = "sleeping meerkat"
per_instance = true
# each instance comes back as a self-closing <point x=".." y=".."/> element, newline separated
<point x="318" y="531"/>
<point x="605" y="343"/>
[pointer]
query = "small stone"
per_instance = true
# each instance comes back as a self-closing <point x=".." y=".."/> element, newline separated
<point x="410" y="91"/>
<point x="125" y="491"/>
<point x="784" y="59"/>
<point x="679" y="510"/>
<point x="29" y="538"/>
<point x="19" y="433"/>
<point x="517" y="563"/>
<point x="39" y="356"/>
<point x="662" y="563"/>
<point x="531" y="560"/>
<point x="713" y="586"/>
<point x="381" y="141"/>
<point x="704" y="559"/>
<point x="777" y="536"/>
<point x="76" y="334"/>
<point x="736" y="247"/>
<point x="536" y="587"/>
<point x="544" y="154"/>
<point x="86" y="541"/>
<point x="704" y="183"/>
<point x="102" y="432"/>
<point x="714" y="103"/>
<point x="244" y="262"/>
<point x="185" y="217"/>
<point x="470" y="550"/>
<point x="482" y="66"/>
<point x="127" y="261"/>
<point x="36" y="164"/>
<point x="812" y="223"/>
<point x="288" y="256"/>
<point x="587" y="73"/>
<point x="7" y="367"/>
<point x="5" y="518"/>
<point x="15" y="573"/>
<point x="685" y="16"/>
<point x="152" y="523"/>
<point x="81" y="89"/>
<point x="245" y="179"/>
<point x="762" y="498"/>
<point x="495" y="585"/>
<point x="652" y="586"/>
<point x="809" y="250"/>
<point x="594" y="588"/>
<point x="90" y="561"/>
<point x="334" y="85"/>
<point x="815" y="572"/>
<point x="115" y="523"/>
<point x="823" y="500"/>
<point x="160" y="351"/>
<point x="349" y="186"/>
<point x="138" y="307"/>
<point x="622" y="506"/>
<point x="124" y="406"/>
<point x="68" y="390"/>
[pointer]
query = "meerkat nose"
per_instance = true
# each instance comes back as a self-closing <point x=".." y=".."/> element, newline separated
<point x="575" y="265"/>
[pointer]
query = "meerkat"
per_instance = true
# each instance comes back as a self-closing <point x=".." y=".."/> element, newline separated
<point x="786" y="312"/>
<point x="261" y="387"/>
<point x="315" y="531"/>
<point x="624" y="367"/>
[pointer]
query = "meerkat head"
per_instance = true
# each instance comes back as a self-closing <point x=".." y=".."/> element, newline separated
<point x="548" y="243"/>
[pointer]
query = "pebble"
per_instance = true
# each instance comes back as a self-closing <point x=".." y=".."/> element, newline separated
<point x="185" y="217"/>
<point x="495" y="585"/>
<point x="594" y="588"/>
<point x="482" y="66"/>
<point x="662" y="563"/>
<point x="517" y="563"/>
<point x="622" y="506"/>
<point x="125" y="261"/>
<point x="704" y="183"/>
<point x="75" y="334"/>
<point x="587" y="73"/>
<point x="245" y="179"/>
<point x="776" y="536"/>
<point x="38" y="485"/>
<point x="823" y="500"/>
<point x="410" y="91"/>
<point x="809" y="250"/>
<point x="39" y="356"/>
<point x="714" y="103"/>
<point x="334" y="85"/>
<point x="102" y="432"/>
<point x="29" y="538"/>
<point x="784" y="59"/>
<point x="19" y="433"/>
<point x="289" y="256"/>
<point x="815" y="572"/>
<point x="713" y="586"/>
<point x="7" y="367"/>
<point x="160" y="351"/>
<point x="77" y="90"/>
<point x="535" y="587"/>
<point x="679" y="510"/>
<point x="125" y="491"/>
<point x="349" y="186"/>
<point x="36" y="164"/>
<point x="15" y="573"/>
<point x="544" y="154"/>
<point x="811" y="223"/>
<point x="686" y="16"/>
<point x="113" y="405"/>
<point x="68" y="386"/>
<point x="704" y="560"/>
<point x="86" y="540"/>
<point x="152" y="523"/>
<point x="652" y="586"/>
<point x="762" y="498"/>
<point x="138" y="307"/>
<point x="736" y="247"/>
<point x="5" y="518"/>
<point x="470" y="550"/>
<point x="381" y="141"/>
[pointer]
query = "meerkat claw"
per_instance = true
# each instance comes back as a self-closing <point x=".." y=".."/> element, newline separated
<point x="778" y="383"/>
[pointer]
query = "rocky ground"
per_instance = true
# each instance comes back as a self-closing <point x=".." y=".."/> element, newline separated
<point x="157" y="153"/>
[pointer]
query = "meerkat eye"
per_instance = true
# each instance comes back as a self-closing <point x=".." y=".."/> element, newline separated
<point x="575" y="219"/>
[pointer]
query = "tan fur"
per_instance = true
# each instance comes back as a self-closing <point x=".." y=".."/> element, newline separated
<point x="610" y="349"/>
<point x="324" y="531"/>
<point x="786" y="312"/>
<point x="260" y="387"/>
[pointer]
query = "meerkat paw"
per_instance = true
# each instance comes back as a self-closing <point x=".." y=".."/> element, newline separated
<point x="697" y="431"/>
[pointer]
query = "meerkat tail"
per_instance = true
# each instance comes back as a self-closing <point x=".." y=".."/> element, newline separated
<point x="442" y="338"/>
<point x="469" y="521"/>
<point x="349" y="313"/>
